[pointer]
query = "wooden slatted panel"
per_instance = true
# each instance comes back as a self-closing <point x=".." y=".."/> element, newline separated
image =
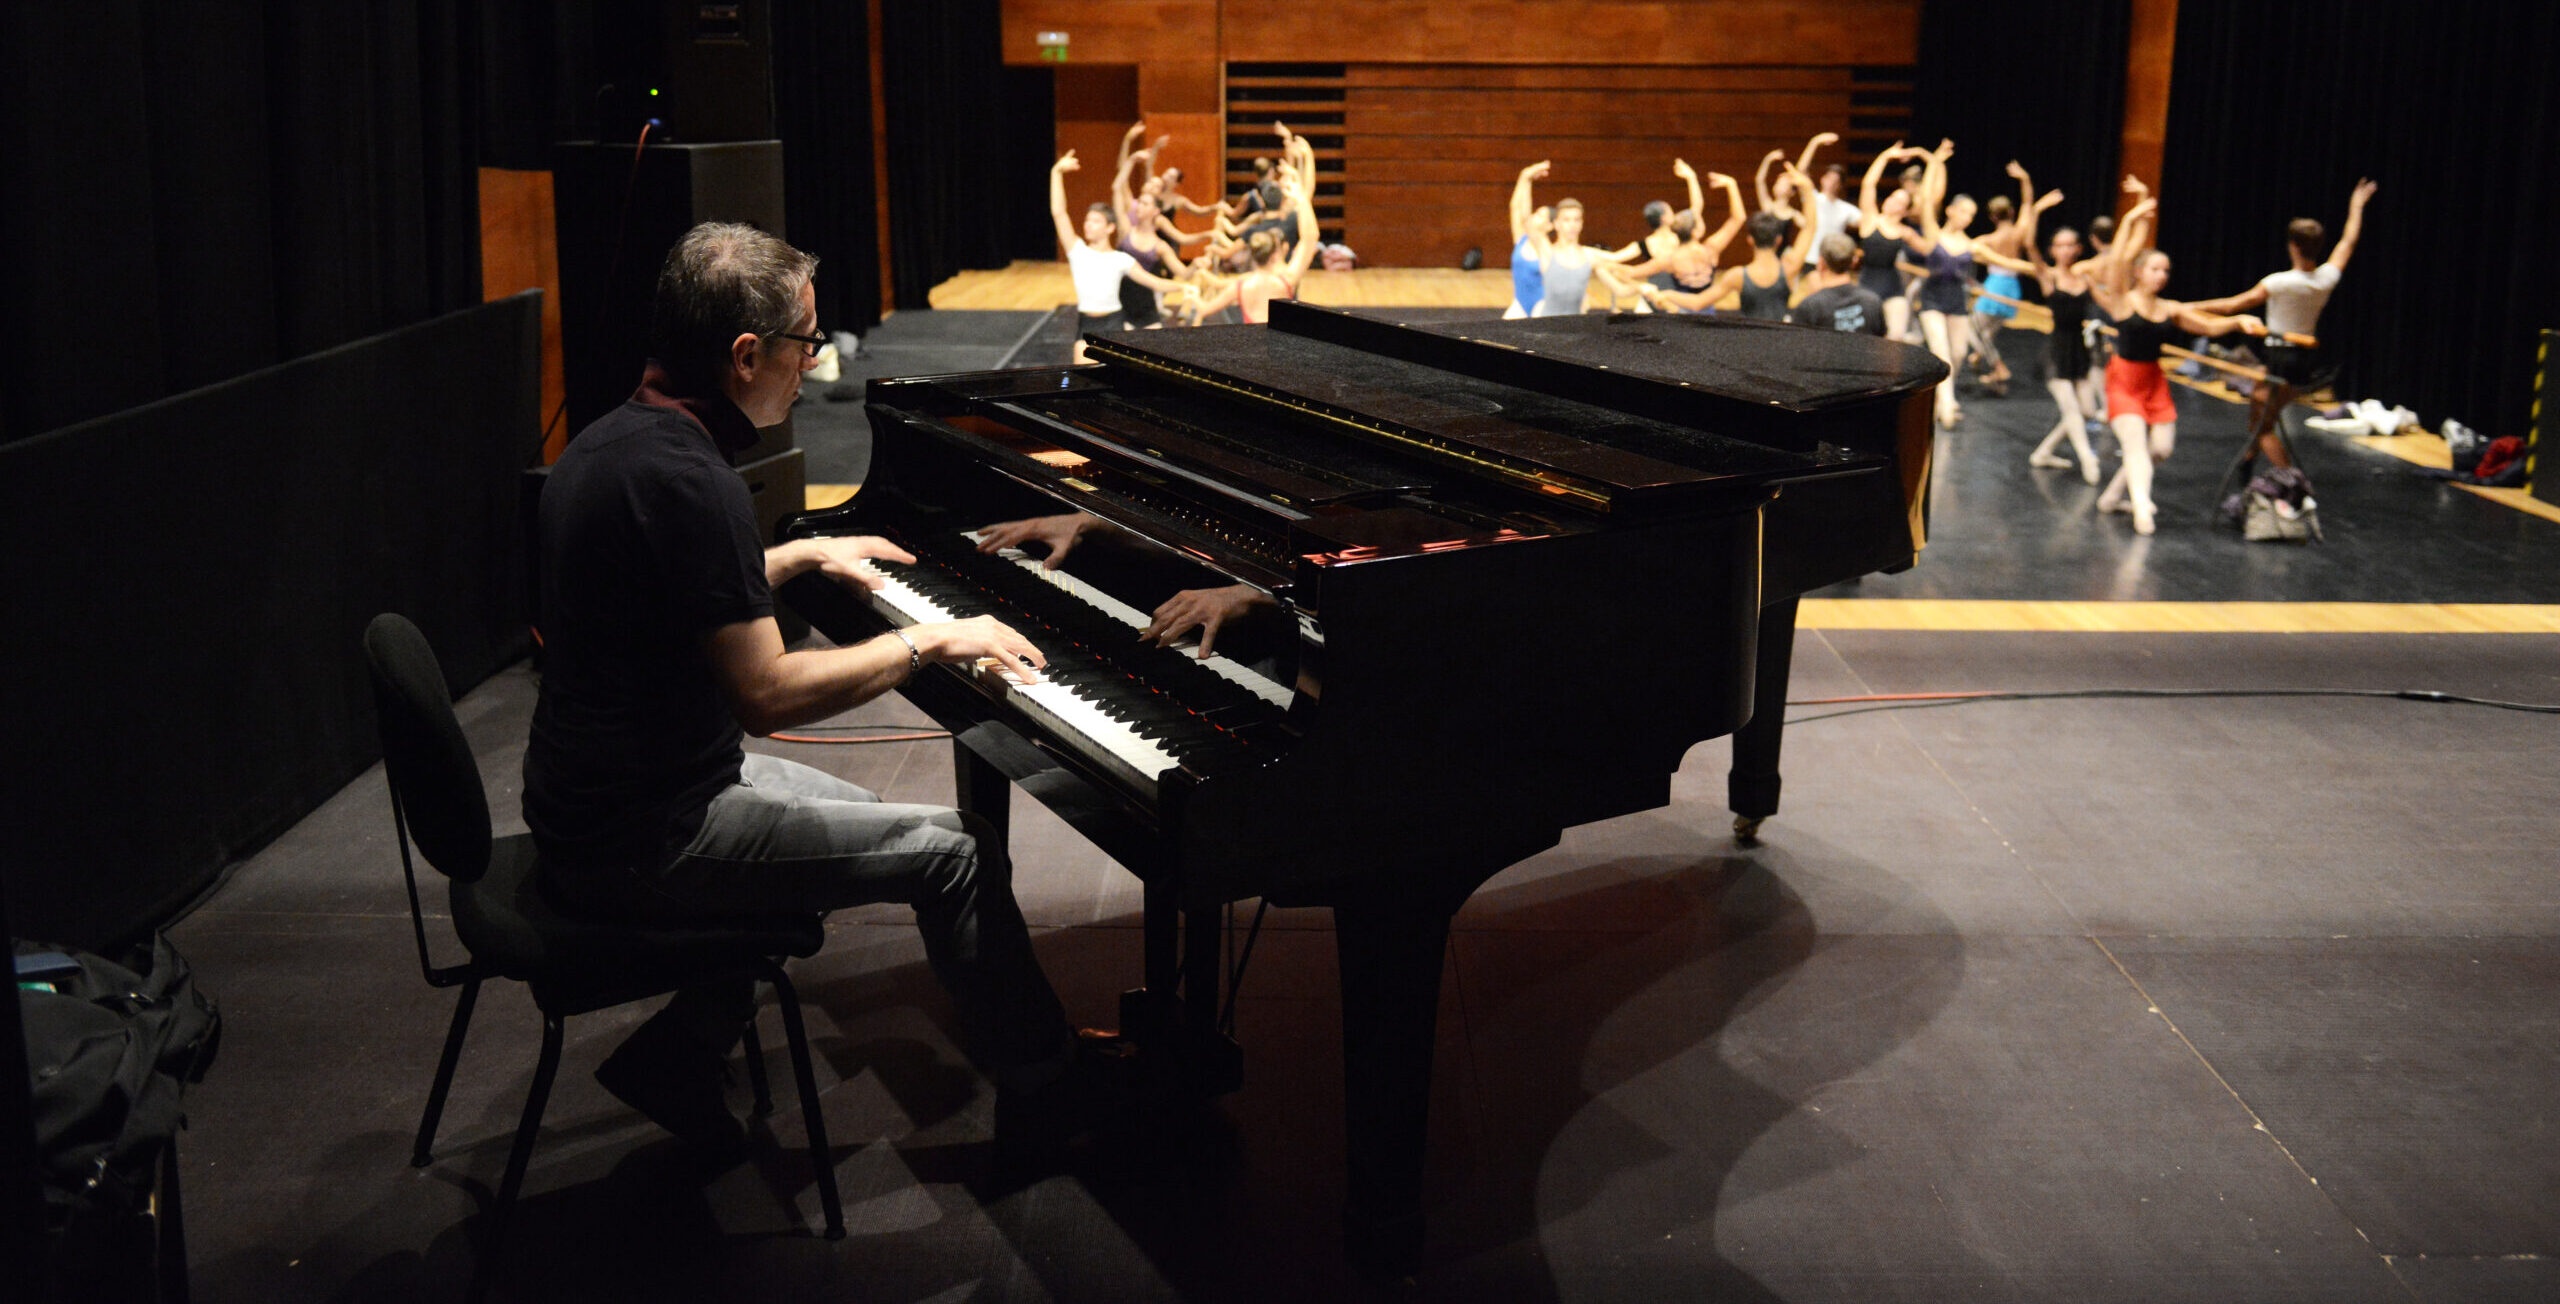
<point x="1430" y="150"/>
<point x="1311" y="98"/>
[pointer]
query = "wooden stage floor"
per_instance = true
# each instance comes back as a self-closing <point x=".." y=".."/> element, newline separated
<point x="1044" y="285"/>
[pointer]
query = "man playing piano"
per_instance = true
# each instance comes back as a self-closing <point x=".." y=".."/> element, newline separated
<point x="660" y="651"/>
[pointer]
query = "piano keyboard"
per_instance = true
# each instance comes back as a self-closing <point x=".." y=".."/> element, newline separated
<point x="1252" y="682"/>
<point x="1137" y="710"/>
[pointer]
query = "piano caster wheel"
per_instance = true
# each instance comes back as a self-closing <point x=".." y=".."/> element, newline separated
<point x="1746" y="830"/>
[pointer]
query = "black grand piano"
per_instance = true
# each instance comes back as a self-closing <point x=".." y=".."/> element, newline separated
<point x="1516" y="570"/>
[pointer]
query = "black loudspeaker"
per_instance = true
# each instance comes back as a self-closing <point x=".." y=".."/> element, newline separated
<point x="780" y="486"/>
<point x="719" y="71"/>
<point x="618" y="211"/>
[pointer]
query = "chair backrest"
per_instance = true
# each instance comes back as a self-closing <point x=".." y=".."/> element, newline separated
<point x="433" y="777"/>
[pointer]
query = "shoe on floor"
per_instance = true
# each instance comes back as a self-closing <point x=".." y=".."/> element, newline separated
<point x="2346" y="425"/>
<point x="676" y="1084"/>
<point x="2385" y="421"/>
<point x="1099" y="1088"/>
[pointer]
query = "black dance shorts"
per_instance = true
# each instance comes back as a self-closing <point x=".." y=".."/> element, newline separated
<point x="2291" y="363"/>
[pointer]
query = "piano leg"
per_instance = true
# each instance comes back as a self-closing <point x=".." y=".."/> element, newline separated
<point x="1391" y="956"/>
<point x="980" y="788"/>
<point x="1752" y="787"/>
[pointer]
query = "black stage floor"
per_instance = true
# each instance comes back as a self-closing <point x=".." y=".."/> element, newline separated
<point x="2251" y="999"/>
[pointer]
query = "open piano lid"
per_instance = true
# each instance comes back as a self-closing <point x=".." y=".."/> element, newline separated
<point x="1554" y="432"/>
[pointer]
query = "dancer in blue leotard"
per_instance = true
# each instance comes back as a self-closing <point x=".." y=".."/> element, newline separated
<point x="1528" y="284"/>
<point x="1565" y="264"/>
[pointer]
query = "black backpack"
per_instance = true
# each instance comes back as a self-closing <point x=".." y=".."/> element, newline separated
<point x="108" y="1052"/>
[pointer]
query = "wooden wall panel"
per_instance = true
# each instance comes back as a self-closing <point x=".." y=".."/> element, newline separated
<point x="1096" y="102"/>
<point x="519" y="250"/>
<point x="1114" y="31"/>
<point x="1430" y="158"/>
<point x="1443" y="102"/>
<point x="1796" y="32"/>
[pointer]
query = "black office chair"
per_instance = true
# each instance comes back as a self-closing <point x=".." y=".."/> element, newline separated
<point x="573" y="965"/>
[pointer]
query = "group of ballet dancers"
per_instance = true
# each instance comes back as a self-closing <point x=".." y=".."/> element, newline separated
<point x="1906" y="243"/>
<point x="1911" y="246"/>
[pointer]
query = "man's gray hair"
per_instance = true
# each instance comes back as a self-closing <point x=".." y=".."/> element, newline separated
<point x="723" y="280"/>
<point x="1839" y="252"/>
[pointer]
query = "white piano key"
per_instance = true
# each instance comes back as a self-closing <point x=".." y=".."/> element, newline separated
<point x="1082" y="724"/>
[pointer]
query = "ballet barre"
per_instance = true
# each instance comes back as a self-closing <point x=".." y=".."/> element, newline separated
<point x="2250" y="373"/>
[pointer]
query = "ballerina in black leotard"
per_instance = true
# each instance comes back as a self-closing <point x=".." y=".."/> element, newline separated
<point x="1880" y="233"/>
<point x="2069" y="372"/>
<point x="1950" y="255"/>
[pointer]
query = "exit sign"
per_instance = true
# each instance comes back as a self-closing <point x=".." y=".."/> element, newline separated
<point x="1053" y="46"/>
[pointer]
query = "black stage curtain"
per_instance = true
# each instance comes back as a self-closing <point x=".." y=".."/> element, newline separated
<point x="196" y="191"/>
<point x="942" y="65"/>
<point x="2277" y="107"/>
<point x="1031" y="139"/>
<point x="822" y="112"/>
<point x="2031" y="81"/>
<point x="192" y="577"/>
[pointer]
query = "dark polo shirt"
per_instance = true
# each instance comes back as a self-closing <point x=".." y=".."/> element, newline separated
<point x="648" y="543"/>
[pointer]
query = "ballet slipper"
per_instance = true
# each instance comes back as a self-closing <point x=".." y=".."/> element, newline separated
<point x="2089" y="468"/>
<point x="2049" y="461"/>
<point x="2144" y="518"/>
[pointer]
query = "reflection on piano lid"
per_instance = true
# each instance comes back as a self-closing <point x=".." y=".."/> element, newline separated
<point x="1548" y="440"/>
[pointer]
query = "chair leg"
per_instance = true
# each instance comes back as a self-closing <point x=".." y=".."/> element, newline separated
<point x="422" y="1152"/>
<point x="811" y="1116"/>
<point x="172" y="1231"/>
<point x="754" y="1047"/>
<point x="518" y="1156"/>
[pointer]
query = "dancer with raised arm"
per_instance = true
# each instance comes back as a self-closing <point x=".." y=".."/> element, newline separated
<point x="2013" y="234"/>
<point x="1528" y="286"/>
<point x="1277" y="267"/>
<point x="2070" y="372"/>
<point x="2139" y="405"/>
<point x="1140" y="239"/>
<point x="1950" y="255"/>
<point x="1664" y="231"/>
<point x="2293" y="299"/>
<point x="1827" y="204"/>
<point x="1766" y="284"/>
<point x="1565" y="264"/>
<point x="1881" y="232"/>
<point x="1094" y="259"/>
<point x="1785" y="199"/>
<point x="1690" y="265"/>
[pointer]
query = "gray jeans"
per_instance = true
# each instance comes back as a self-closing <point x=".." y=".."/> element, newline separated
<point x="788" y="837"/>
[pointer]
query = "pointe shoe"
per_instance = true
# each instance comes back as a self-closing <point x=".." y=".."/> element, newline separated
<point x="2144" y="518"/>
<point x="2089" y="468"/>
<point x="2048" y="461"/>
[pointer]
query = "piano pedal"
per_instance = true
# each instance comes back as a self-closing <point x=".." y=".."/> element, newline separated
<point x="1181" y="1062"/>
<point x="1746" y="830"/>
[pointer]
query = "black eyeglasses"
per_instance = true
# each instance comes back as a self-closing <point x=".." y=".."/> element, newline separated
<point x="809" y="344"/>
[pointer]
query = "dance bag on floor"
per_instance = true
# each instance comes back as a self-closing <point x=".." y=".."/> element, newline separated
<point x="109" y="1051"/>
<point x="2277" y="507"/>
